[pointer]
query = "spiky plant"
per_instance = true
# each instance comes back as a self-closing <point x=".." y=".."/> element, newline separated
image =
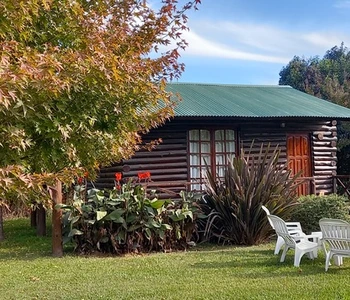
<point x="233" y="205"/>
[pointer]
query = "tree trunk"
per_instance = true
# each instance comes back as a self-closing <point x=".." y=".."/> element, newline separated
<point x="41" y="220"/>
<point x="2" y="236"/>
<point x="33" y="217"/>
<point x="57" y="242"/>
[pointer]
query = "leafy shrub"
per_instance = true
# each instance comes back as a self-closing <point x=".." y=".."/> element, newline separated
<point x="126" y="220"/>
<point x="312" y="208"/>
<point x="233" y="205"/>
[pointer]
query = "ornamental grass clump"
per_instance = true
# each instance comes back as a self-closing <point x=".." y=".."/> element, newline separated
<point x="233" y="204"/>
<point x="128" y="220"/>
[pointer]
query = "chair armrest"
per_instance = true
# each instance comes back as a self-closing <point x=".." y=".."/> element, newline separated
<point x="306" y="236"/>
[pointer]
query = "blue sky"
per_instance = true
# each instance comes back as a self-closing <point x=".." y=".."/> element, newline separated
<point x="249" y="41"/>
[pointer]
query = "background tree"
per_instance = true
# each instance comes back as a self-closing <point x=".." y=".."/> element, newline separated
<point x="79" y="80"/>
<point x="327" y="78"/>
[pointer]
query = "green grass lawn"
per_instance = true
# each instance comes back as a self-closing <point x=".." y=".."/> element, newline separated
<point x="27" y="271"/>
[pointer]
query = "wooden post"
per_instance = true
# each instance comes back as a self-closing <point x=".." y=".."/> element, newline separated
<point x="33" y="217"/>
<point x="57" y="242"/>
<point x="2" y="236"/>
<point x="40" y="220"/>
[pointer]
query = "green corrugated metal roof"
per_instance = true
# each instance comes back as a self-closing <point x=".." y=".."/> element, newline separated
<point x="219" y="100"/>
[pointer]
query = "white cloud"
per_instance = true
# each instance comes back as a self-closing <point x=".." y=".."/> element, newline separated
<point x="258" y="42"/>
<point x="200" y="46"/>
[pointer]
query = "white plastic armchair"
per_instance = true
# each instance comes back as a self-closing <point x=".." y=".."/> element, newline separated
<point x="300" y="244"/>
<point x="335" y="239"/>
<point x="294" y="228"/>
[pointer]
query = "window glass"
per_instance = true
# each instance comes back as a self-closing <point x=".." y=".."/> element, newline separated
<point x="219" y="147"/>
<point x="230" y="147"/>
<point x="194" y="159"/>
<point x="220" y="135"/>
<point x="205" y="159"/>
<point x="194" y="135"/>
<point x="205" y="147"/>
<point x="220" y="171"/>
<point x="205" y="135"/>
<point x="195" y="172"/>
<point x="230" y="135"/>
<point x="194" y="147"/>
<point x="220" y="159"/>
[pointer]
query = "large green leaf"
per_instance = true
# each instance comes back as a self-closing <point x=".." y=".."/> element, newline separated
<point x="157" y="203"/>
<point x="153" y="224"/>
<point x="115" y="215"/>
<point x="100" y="215"/>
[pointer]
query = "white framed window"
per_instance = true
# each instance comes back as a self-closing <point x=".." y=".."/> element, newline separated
<point x="212" y="149"/>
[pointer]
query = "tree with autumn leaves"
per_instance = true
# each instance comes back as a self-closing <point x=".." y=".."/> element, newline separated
<point x="80" y="80"/>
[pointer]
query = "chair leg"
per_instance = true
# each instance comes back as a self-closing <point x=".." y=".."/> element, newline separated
<point x="297" y="257"/>
<point x="279" y="244"/>
<point x="328" y="259"/>
<point x="338" y="260"/>
<point x="311" y="255"/>
<point x="283" y="256"/>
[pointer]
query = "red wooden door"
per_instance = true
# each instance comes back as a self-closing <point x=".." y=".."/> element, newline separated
<point x="299" y="158"/>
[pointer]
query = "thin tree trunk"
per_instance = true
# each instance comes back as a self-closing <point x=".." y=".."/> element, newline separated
<point x="57" y="242"/>
<point x="33" y="217"/>
<point x="2" y="236"/>
<point x="41" y="221"/>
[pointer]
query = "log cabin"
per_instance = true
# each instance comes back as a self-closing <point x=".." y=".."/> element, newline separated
<point x="212" y="122"/>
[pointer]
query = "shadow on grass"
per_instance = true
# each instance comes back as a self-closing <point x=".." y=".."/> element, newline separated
<point x="22" y="243"/>
<point x="257" y="263"/>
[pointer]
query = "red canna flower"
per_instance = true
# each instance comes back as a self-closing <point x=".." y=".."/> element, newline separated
<point x="80" y="180"/>
<point x="144" y="175"/>
<point x="118" y="176"/>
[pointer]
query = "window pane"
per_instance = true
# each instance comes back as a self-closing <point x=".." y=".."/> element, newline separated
<point x="230" y="134"/>
<point x="194" y="159"/>
<point x="194" y="135"/>
<point x="205" y="159"/>
<point x="195" y="172"/>
<point x="205" y="136"/>
<point x="194" y="147"/>
<point x="205" y="147"/>
<point x="220" y="170"/>
<point x="196" y="187"/>
<point x="230" y="147"/>
<point x="220" y="159"/>
<point x="220" y="135"/>
<point x="219" y="147"/>
<point x="203" y="172"/>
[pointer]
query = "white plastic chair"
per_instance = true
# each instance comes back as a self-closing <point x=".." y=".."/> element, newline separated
<point x="300" y="244"/>
<point x="294" y="228"/>
<point x="336" y="240"/>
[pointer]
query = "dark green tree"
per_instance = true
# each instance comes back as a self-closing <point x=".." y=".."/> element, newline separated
<point x="327" y="78"/>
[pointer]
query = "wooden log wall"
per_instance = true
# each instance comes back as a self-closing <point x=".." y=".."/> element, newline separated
<point x="323" y="141"/>
<point x="168" y="163"/>
<point x="324" y="148"/>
